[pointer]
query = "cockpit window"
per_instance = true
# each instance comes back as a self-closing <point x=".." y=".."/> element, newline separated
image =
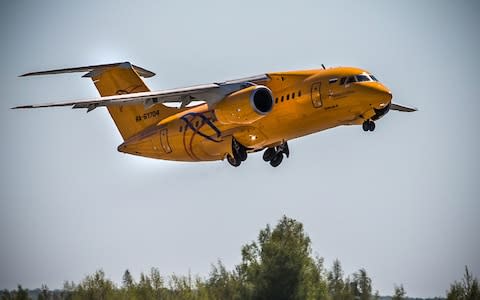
<point x="350" y="79"/>
<point x="361" y="78"/>
<point x="357" y="78"/>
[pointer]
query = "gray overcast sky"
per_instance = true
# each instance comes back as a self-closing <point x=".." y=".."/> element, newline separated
<point x="403" y="202"/>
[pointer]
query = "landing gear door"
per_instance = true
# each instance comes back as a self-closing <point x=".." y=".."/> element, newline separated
<point x="316" y="95"/>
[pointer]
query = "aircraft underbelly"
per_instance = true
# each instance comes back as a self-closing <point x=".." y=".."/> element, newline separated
<point x="291" y="126"/>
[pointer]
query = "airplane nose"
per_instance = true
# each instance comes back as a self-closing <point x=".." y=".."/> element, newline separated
<point x="379" y="94"/>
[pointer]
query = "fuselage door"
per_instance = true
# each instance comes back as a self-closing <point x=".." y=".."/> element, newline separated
<point x="316" y="95"/>
<point x="164" y="140"/>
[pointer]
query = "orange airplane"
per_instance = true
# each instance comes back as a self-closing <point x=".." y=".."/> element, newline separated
<point x="235" y="117"/>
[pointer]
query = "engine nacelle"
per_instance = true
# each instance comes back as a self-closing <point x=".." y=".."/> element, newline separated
<point x="245" y="106"/>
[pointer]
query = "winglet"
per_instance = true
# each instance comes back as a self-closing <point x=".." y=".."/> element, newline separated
<point x="92" y="70"/>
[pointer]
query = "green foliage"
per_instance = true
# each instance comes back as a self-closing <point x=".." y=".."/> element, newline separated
<point x="399" y="293"/>
<point x="6" y="295"/>
<point x="336" y="284"/>
<point x="44" y="293"/>
<point x="95" y="286"/>
<point x="22" y="294"/>
<point x="278" y="265"/>
<point x="467" y="289"/>
<point x="362" y="285"/>
<point x="18" y="294"/>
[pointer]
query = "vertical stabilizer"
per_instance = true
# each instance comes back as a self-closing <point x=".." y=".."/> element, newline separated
<point x="118" y="79"/>
<point x="125" y="79"/>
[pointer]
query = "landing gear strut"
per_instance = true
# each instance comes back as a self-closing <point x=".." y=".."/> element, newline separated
<point x="239" y="154"/>
<point x="274" y="155"/>
<point x="368" y="125"/>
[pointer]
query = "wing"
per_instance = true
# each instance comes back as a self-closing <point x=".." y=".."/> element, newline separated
<point x="210" y="93"/>
<point x="398" y="107"/>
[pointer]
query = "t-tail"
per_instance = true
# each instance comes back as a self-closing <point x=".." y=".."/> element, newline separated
<point x="118" y="79"/>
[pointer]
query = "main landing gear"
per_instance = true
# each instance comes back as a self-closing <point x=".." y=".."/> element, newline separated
<point x="274" y="155"/>
<point x="368" y="125"/>
<point x="239" y="154"/>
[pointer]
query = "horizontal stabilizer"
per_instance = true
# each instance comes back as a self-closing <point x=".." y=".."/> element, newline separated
<point x="93" y="70"/>
<point x="397" y="107"/>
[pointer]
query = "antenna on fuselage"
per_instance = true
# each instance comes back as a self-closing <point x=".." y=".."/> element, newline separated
<point x="323" y="66"/>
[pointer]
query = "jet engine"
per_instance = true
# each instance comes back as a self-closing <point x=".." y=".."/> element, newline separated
<point x="245" y="106"/>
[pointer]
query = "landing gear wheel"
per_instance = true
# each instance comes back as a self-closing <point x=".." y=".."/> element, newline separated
<point x="235" y="162"/>
<point x="368" y="125"/>
<point x="276" y="160"/>
<point x="239" y="151"/>
<point x="269" y="154"/>
<point x="371" y="126"/>
<point x="242" y="153"/>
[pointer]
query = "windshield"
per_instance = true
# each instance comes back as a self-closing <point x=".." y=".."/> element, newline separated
<point x="357" y="78"/>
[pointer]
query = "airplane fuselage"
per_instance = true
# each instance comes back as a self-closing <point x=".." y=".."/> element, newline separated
<point x="305" y="102"/>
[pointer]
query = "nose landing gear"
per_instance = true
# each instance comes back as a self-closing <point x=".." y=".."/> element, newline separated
<point x="274" y="155"/>
<point x="368" y="125"/>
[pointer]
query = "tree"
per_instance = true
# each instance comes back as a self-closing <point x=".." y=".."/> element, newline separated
<point x="44" y="293"/>
<point x="336" y="284"/>
<point x="279" y="265"/>
<point x="399" y="293"/>
<point x="6" y="295"/>
<point x="467" y="289"/>
<point x="68" y="290"/>
<point x="22" y="294"/>
<point x="221" y="284"/>
<point x="96" y="286"/>
<point x="157" y="282"/>
<point x="127" y="280"/>
<point x="363" y="285"/>
<point x="144" y="289"/>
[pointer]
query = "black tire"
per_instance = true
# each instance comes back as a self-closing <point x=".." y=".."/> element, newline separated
<point x="269" y="154"/>
<point x="233" y="161"/>
<point x="371" y="126"/>
<point x="242" y="153"/>
<point x="366" y="126"/>
<point x="277" y="160"/>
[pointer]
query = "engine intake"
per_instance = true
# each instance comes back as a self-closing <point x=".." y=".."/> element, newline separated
<point x="245" y="106"/>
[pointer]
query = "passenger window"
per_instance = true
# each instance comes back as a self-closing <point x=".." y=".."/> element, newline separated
<point x="299" y="93"/>
<point x="282" y="98"/>
<point x="288" y="97"/>
<point x="342" y="81"/>
<point x="293" y="95"/>
<point x="276" y="100"/>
